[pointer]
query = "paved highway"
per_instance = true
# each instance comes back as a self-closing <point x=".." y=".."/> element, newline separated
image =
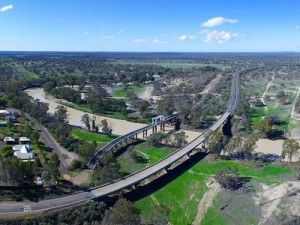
<point x="129" y="180"/>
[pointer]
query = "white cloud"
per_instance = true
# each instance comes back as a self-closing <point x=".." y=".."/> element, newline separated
<point x="297" y="27"/>
<point x="186" y="37"/>
<point x="159" y="42"/>
<point x="140" y="40"/>
<point x="86" y="32"/>
<point x="219" y="37"/>
<point x="108" y="37"/>
<point x="5" y="8"/>
<point x="213" y="22"/>
<point x="121" y="31"/>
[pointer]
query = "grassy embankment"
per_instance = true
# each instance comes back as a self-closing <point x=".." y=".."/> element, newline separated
<point x="183" y="194"/>
<point x="91" y="136"/>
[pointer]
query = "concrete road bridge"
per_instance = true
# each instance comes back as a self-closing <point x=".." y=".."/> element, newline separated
<point x="131" y="181"/>
<point x="159" y="121"/>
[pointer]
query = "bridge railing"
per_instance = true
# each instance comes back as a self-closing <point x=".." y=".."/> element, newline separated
<point x="92" y="162"/>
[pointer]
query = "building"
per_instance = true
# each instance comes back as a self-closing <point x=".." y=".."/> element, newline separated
<point x="24" y="140"/>
<point x="9" y="140"/>
<point x="4" y="113"/>
<point x="23" y="152"/>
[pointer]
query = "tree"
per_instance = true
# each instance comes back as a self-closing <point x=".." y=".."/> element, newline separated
<point x="53" y="166"/>
<point x="165" y="107"/>
<point x="86" y="151"/>
<point x="281" y="96"/>
<point x="229" y="178"/>
<point x="143" y="108"/>
<point x="234" y="145"/>
<point x="159" y="216"/>
<point x="46" y="177"/>
<point x="273" y="119"/>
<point x="217" y="142"/>
<point x="94" y="127"/>
<point x="61" y="114"/>
<point x="107" y="170"/>
<point x="35" y="136"/>
<point x="6" y="151"/>
<point x="178" y="139"/>
<point x="263" y="127"/>
<point x="122" y="213"/>
<point x="155" y="139"/>
<point x="85" y="118"/>
<point x="249" y="144"/>
<point x="105" y="127"/>
<point x="290" y="148"/>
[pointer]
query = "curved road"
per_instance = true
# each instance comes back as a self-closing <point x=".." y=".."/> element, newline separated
<point x="128" y="181"/>
<point x="108" y="147"/>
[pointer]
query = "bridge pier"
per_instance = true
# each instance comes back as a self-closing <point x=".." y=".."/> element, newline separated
<point x="162" y="126"/>
<point x="145" y="133"/>
<point x="154" y="130"/>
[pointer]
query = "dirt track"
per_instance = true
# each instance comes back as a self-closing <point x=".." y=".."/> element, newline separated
<point x="206" y="201"/>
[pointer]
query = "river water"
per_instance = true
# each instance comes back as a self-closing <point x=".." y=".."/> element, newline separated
<point x="119" y="127"/>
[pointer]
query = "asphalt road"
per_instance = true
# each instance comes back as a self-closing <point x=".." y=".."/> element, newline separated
<point x="49" y="141"/>
<point x="128" y="181"/>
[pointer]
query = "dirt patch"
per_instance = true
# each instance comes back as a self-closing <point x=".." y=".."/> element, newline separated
<point x="146" y="94"/>
<point x="209" y="88"/>
<point x="207" y="200"/>
<point x="269" y="199"/>
<point x="80" y="179"/>
<point x="266" y="91"/>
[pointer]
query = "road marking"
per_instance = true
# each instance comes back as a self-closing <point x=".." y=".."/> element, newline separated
<point x="27" y="208"/>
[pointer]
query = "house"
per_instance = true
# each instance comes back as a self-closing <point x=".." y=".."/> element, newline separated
<point x="4" y="113"/>
<point x="24" y="140"/>
<point x="9" y="140"/>
<point x="23" y="152"/>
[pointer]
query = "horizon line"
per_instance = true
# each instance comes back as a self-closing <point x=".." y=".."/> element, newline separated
<point x="75" y="51"/>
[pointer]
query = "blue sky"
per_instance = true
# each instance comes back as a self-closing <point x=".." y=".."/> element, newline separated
<point x="150" y="25"/>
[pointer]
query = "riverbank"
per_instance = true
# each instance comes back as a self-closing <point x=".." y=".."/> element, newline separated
<point x="118" y="126"/>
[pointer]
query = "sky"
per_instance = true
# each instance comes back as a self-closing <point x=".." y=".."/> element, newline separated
<point x="150" y="25"/>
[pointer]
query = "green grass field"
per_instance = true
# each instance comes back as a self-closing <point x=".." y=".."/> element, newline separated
<point x="90" y="136"/>
<point x="128" y="165"/>
<point x="121" y="92"/>
<point x="183" y="194"/>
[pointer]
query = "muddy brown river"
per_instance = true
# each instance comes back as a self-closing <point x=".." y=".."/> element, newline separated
<point x="119" y="127"/>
